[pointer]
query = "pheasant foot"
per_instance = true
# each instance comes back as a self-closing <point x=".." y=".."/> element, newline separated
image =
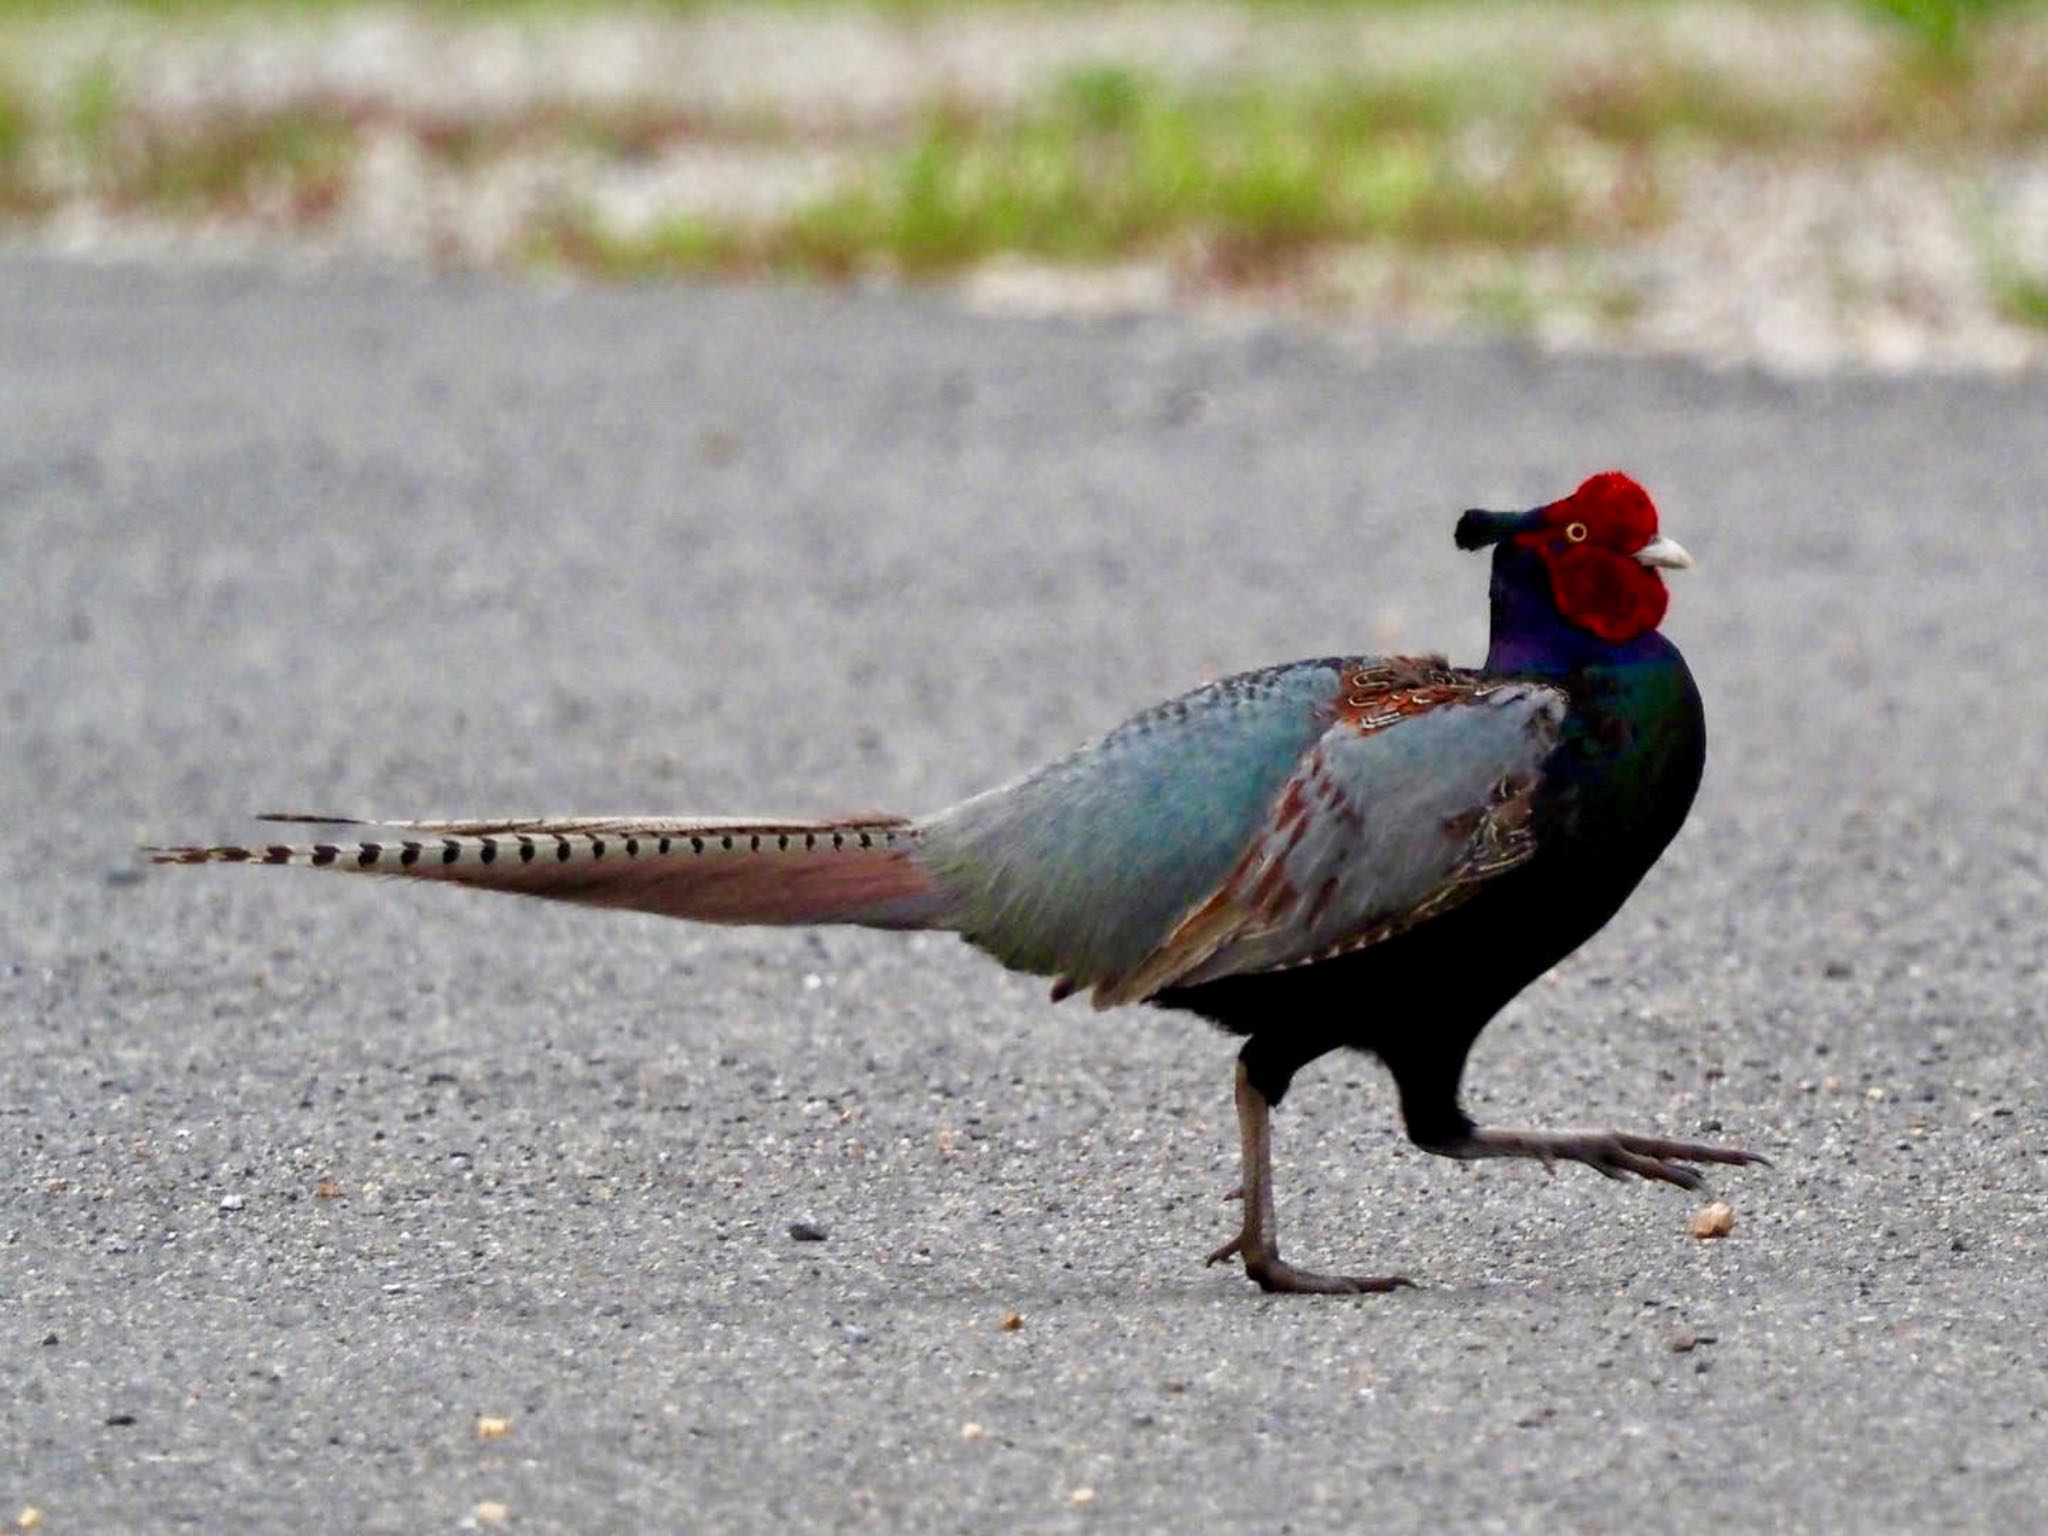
<point x="1616" y="1154"/>
<point x="1270" y="1272"/>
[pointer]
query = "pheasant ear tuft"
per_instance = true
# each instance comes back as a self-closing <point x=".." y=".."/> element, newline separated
<point x="1477" y="529"/>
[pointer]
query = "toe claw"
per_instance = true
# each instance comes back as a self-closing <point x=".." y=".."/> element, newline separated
<point x="1234" y="1246"/>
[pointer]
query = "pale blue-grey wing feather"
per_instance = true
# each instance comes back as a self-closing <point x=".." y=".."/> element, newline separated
<point x="1083" y="867"/>
<point x="1381" y="827"/>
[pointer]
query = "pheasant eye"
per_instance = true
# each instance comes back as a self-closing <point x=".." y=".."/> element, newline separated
<point x="1576" y="532"/>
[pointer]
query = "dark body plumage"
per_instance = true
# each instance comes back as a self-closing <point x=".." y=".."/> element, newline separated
<point x="1613" y="792"/>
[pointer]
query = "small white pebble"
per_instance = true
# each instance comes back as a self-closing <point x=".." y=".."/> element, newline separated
<point x="232" y="1202"/>
<point x="972" y="1431"/>
<point x="491" y="1428"/>
<point x="1081" y="1496"/>
<point x="491" y="1512"/>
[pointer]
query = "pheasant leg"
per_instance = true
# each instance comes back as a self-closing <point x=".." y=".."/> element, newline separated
<point x="1257" y="1243"/>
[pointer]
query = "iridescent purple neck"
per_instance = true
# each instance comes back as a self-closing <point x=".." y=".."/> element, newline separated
<point x="1529" y="635"/>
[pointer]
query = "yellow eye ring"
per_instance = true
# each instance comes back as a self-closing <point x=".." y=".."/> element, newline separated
<point x="1576" y="532"/>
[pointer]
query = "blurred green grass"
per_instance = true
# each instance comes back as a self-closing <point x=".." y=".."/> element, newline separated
<point x="1939" y="24"/>
<point x="928" y="7"/>
<point x="2024" y="299"/>
<point x="1253" y="175"/>
<point x="1238" y="179"/>
<point x="175" y="9"/>
<point x="1115" y="162"/>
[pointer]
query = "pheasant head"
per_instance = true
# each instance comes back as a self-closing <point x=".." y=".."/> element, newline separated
<point x="1599" y="549"/>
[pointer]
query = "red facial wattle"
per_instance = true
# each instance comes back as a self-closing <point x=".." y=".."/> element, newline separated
<point x="1609" y="594"/>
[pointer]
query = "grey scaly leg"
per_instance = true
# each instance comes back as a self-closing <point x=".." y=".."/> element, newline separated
<point x="1257" y="1242"/>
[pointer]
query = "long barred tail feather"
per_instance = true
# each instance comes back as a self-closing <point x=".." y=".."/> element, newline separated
<point x="711" y="869"/>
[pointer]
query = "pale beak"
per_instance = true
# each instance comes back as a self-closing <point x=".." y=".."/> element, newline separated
<point x="1666" y="554"/>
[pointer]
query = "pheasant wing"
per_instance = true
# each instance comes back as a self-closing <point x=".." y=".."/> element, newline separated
<point x="1410" y="800"/>
<point x="1081" y="868"/>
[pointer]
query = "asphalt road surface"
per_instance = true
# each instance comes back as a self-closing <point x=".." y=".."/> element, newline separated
<point x="302" y="1177"/>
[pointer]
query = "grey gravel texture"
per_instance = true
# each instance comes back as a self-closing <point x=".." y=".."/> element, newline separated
<point x="301" y="1177"/>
